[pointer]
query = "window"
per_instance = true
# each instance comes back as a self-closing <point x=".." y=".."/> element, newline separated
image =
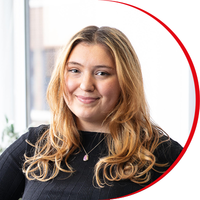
<point x="40" y="64"/>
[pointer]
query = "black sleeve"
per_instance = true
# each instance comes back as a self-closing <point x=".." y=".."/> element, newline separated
<point x="12" y="179"/>
<point x="166" y="153"/>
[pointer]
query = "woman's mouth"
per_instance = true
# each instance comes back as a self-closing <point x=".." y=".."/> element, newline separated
<point x="87" y="100"/>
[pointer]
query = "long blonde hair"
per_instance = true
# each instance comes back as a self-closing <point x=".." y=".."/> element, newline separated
<point x="133" y="136"/>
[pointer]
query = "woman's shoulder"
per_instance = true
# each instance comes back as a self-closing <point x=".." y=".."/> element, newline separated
<point x="34" y="133"/>
<point x="168" y="150"/>
<point x="32" y="136"/>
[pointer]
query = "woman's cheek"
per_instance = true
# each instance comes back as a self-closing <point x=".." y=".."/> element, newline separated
<point x="111" y="90"/>
<point x="70" y="85"/>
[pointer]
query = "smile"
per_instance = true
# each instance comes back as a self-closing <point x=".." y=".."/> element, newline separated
<point x="87" y="100"/>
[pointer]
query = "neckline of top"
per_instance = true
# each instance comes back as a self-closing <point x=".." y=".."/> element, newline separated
<point x="90" y="132"/>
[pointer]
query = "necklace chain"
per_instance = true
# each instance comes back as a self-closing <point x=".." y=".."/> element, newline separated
<point x="86" y="156"/>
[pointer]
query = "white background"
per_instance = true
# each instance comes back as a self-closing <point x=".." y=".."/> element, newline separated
<point x="183" y="17"/>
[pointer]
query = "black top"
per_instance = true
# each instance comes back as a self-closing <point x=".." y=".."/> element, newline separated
<point x="13" y="183"/>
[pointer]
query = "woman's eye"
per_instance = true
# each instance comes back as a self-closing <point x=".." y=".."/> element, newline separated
<point x="102" y="73"/>
<point x="73" y="70"/>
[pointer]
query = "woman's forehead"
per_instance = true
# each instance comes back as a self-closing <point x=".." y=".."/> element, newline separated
<point x="93" y="52"/>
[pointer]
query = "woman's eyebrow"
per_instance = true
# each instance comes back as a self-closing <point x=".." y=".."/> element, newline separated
<point x="103" y="66"/>
<point x="96" y="66"/>
<point x="73" y="63"/>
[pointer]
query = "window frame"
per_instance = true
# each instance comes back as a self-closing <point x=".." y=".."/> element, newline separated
<point x="20" y="62"/>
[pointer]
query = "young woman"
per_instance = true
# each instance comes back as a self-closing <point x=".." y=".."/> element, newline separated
<point x="101" y="143"/>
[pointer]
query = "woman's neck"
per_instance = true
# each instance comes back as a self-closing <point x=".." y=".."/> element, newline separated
<point x="91" y="126"/>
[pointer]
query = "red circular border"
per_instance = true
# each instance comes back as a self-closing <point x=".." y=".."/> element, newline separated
<point x="196" y="85"/>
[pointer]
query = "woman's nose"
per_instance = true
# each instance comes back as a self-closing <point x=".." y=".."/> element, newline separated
<point x="87" y="83"/>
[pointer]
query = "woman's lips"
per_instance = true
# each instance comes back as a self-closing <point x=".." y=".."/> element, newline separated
<point x="87" y="100"/>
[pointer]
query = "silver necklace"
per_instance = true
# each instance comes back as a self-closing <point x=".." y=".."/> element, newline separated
<point x="86" y="156"/>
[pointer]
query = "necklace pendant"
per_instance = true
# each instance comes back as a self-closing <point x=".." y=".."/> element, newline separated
<point x="86" y="157"/>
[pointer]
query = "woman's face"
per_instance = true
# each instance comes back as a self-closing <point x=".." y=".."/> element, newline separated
<point x="91" y="82"/>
